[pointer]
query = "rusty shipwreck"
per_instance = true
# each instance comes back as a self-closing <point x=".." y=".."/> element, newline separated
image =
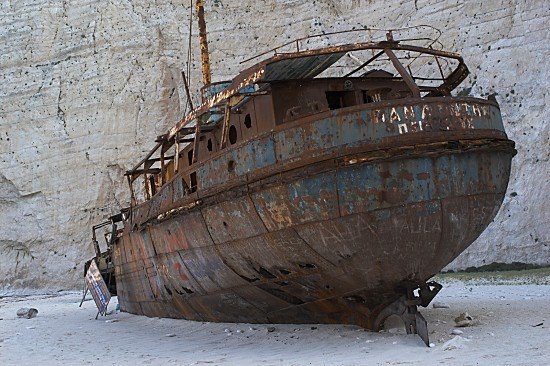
<point x="296" y="194"/>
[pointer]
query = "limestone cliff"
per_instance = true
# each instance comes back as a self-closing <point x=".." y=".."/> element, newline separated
<point x="86" y="85"/>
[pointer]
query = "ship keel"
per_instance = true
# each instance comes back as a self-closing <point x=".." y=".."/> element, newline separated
<point x="406" y="308"/>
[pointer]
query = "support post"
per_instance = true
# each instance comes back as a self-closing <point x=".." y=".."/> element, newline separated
<point x="205" y="58"/>
<point x="225" y="127"/>
<point x="196" y="141"/>
<point x="186" y="85"/>
<point x="404" y="73"/>
<point x="132" y="194"/>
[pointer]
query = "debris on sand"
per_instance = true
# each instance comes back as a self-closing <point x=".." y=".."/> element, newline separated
<point x="457" y="342"/>
<point x="457" y="332"/>
<point x="464" y="320"/>
<point x="440" y="305"/>
<point x="27" y="313"/>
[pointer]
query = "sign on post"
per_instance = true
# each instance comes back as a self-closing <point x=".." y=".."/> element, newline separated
<point x="98" y="288"/>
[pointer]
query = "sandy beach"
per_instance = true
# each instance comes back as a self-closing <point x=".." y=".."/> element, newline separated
<point x="511" y="327"/>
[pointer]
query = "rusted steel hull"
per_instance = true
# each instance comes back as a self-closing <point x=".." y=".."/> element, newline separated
<point x="299" y="233"/>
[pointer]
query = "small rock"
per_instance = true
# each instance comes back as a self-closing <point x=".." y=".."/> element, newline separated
<point x="432" y="345"/>
<point x="239" y="331"/>
<point x="457" y="332"/>
<point x="111" y="321"/>
<point x="313" y="328"/>
<point x="27" y="313"/>
<point x="251" y="328"/>
<point x="463" y="320"/>
<point x="170" y="335"/>
<point x="270" y="329"/>
<point x="456" y="343"/>
<point x="440" y="305"/>
<point x="227" y="330"/>
<point x="31" y="327"/>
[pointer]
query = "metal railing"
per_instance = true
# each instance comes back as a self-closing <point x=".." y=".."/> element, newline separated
<point x="431" y="41"/>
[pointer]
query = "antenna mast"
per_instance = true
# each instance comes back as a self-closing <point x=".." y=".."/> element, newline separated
<point x="205" y="59"/>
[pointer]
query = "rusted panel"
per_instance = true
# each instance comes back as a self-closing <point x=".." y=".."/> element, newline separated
<point x="181" y="234"/>
<point x="134" y="284"/>
<point x="226" y="306"/>
<point x="233" y="220"/>
<point x="177" y="277"/>
<point x="273" y="257"/>
<point x="263" y="107"/>
<point x="180" y="190"/>
<point x="140" y="246"/>
<point x="353" y="242"/>
<point x="253" y="156"/>
<point x="208" y="269"/>
<point x="301" y="201"/>
<point x="159" y="309"/>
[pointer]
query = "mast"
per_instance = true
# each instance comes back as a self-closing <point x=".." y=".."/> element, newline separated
<point x="205" y="59"/>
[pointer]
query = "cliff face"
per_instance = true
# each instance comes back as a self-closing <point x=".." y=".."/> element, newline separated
<point x="85" y="86"/>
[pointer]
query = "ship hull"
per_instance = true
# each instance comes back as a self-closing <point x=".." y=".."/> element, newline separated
<point x="335" y="240"/>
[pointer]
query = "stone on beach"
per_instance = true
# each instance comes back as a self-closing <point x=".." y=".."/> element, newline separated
<point x="463" y="320"/>
<point x="440" y="305"/>
<point x="27" y="313"/>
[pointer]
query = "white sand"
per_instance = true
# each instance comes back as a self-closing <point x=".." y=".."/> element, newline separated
<point x="64" y="334"/>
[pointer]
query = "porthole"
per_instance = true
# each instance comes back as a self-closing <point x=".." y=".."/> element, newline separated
<point x="232" y="134"/>
<point x="231" y="166"/>
<point x="248" y="121"/>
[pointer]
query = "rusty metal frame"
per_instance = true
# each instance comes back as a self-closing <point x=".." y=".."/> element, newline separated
<point x="256" y="74"/>
<point x="348" y="31"/>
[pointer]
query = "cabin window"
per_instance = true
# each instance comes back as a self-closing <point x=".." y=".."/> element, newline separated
<point x="193" y="177"/>
<point x="209" y="145"/>
<point x="367" y="98"/>
<point x="340" y="99"/>
<point x="232" y="134"/>
<point x="152" y="185"/>
<point x="248" y="121"/>
<point x="231" y="166"/>
<point x="190" y="157"/>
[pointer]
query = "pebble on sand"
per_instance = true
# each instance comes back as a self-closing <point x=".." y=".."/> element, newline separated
<point x="440" y="305"/>
<point x="27" y="313"/>
<point x="463" y="320"/>
<point x="457" y="332"/>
